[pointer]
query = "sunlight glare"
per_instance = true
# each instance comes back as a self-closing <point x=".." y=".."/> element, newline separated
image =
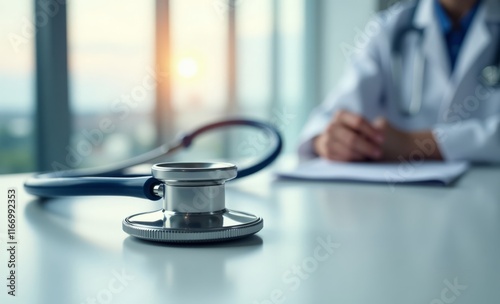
<point x="187" y="67"/>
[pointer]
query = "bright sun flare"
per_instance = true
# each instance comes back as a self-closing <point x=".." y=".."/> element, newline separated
<point x="187" y="67"/>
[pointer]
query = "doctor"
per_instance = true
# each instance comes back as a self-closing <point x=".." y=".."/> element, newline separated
<point x="435" y="106"/>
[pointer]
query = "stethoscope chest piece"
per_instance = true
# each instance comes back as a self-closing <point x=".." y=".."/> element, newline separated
<point x="194" y="208"/>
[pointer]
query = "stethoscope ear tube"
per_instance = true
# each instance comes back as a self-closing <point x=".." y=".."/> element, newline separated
<point x="46" y="186"/>
<point x="111" y="180"/>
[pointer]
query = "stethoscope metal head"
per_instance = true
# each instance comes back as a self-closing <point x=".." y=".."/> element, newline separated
<point x="194" y="208"/>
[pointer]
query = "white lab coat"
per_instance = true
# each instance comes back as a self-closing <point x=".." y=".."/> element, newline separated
<point x="463" y="115"/>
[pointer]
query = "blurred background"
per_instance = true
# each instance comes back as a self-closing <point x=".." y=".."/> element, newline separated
<point x="85" y="83"/>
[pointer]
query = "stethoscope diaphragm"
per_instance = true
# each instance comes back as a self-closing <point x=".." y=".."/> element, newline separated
<point x="194" y="208"/>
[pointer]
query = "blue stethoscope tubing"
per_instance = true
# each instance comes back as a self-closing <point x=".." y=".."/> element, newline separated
<point x="112" y="180"/>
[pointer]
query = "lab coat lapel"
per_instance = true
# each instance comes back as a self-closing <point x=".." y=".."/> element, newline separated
<point x="476" y="41"/>
<point x="433" y="43"/>
<point x="435" y="52"/>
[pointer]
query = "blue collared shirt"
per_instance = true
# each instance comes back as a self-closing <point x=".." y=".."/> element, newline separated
<point x="454" y="36"/>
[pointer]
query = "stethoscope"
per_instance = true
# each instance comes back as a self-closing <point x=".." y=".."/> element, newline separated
<point x="193" y="193"/>
<point x="489" y="76"/>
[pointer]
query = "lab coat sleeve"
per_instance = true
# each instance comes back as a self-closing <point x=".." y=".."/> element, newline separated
<point x="470" y="140"/>
<point x="359" y="91"/>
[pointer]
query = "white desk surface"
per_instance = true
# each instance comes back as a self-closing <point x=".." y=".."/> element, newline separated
<point x="405" y="246"/>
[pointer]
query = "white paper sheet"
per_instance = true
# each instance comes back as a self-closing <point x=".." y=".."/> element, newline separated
<point x="407" y="172"/>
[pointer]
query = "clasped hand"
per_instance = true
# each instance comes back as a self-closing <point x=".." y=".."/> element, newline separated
<point x="349" y="137"/>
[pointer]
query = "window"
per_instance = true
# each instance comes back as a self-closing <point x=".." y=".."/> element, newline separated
<point x="112" y="75"/>
<point x="271" y="46"/>
<point x="111" y="79"/>
<point x="16" y="87"/>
